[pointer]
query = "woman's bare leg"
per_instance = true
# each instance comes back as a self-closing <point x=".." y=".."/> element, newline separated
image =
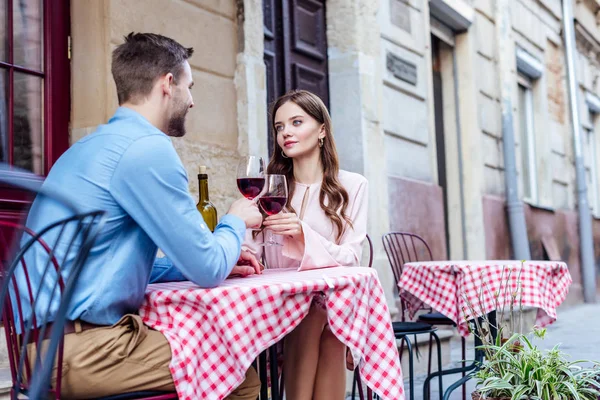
<point x="330" y="382"/>
<point x="301" y="355"/>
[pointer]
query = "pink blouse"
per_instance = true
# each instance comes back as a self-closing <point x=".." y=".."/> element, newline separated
<point x="321" y="249"/>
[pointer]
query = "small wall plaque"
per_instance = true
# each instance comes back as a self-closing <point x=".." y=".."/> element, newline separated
<point x="402" y="69"/>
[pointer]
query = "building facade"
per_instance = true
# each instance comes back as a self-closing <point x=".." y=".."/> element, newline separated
<point x="415" y="89"/>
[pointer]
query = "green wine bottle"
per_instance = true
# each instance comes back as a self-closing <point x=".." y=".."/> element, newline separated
<point x="206" y="208"/>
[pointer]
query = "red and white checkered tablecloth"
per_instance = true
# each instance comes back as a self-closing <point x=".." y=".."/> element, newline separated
<point x="215" y="334"/>
<point x="462" y="290"/>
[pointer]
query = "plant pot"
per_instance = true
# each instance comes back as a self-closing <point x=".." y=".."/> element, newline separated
<point x="477" y="396"/>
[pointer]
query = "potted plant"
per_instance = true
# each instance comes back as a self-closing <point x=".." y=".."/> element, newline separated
<point x="515" y="368"/>
<point x="518" y="369"/>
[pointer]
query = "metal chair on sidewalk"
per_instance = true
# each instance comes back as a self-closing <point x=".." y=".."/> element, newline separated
<point x="34" y="333"/>
<point x="405" y="247"/>
<point x="60" y="250"/>
<point x="402" y="331"/>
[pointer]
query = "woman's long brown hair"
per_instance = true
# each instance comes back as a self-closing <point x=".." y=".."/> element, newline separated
<point x="333" y="197"/>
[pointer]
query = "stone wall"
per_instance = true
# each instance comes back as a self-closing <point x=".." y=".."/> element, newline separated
<point x="211" y="27"/>
<point x="416" y="202"/>
<point x="551" y="219"/>
<point x="409" y="135"/>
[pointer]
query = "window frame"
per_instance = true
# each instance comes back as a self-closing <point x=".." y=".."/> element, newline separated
<point x="594" y="118"/>
<point x="56" y="85"/>
<point x="527" y="83"/>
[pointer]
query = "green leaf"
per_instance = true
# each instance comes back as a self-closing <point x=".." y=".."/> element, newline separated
<point x="572" y="389"/>
<point x="519" y="392"/>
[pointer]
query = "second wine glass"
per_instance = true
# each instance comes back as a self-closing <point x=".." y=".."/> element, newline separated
<point x="251" y="176"/>
<point x="273" y="200"/>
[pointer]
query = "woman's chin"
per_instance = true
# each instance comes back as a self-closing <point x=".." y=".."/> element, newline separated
<point x="297" y="153"/>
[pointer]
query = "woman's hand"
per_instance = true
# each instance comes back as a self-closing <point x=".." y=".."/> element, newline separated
<point x="246" y="265"/>
<point x="287" y="224"/>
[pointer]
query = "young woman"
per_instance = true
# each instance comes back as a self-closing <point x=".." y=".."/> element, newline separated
<point x="323" y="225"/>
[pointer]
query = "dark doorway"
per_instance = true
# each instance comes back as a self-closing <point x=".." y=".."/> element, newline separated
<point x="438" y="103"/>
<point x="295" y="49"/>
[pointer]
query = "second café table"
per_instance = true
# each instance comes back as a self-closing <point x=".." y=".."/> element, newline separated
<point x="464" y="290"/>
<point x="215" y="334"/>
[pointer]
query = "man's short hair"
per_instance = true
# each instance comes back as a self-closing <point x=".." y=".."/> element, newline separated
<point x="143" y="58"/>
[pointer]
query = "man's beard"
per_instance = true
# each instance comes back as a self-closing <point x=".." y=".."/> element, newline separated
<point x="176" y="125"/>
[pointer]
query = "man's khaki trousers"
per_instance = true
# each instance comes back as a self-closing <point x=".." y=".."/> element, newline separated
<point x="125" y="357"/>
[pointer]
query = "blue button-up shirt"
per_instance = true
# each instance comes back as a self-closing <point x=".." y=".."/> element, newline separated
<point x="130" y="169"/>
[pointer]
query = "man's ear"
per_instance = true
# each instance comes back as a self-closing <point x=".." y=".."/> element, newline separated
<point x="167" y="84"/>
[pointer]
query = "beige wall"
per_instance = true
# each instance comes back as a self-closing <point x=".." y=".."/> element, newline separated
<point x="536" y="29"/>
<point x="407" y="110"/>
<point x="210" y="26"/>
<point x="409" y="134"/>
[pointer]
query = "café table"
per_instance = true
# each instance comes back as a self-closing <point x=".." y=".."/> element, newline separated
<point x="466" y="290"/>
<point x="215" y="334"/>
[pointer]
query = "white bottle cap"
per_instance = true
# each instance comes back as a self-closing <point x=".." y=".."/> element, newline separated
<point x="203" y="169"/>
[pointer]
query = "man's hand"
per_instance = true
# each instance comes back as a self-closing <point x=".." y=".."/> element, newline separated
<point x="246" y="265"/>
<point x="248" y="211"/>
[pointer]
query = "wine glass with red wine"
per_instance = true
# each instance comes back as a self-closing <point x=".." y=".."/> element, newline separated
<point x="273" y="200"/>
<point x="251" y="176"/>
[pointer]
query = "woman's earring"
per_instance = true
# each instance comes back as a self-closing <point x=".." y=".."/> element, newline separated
<point x="321" y="141"/>
<point x="283" y="154"/>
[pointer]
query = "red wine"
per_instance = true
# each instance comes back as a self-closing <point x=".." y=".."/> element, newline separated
<point x="250" y="187"/>
<point x="272" y="205"/>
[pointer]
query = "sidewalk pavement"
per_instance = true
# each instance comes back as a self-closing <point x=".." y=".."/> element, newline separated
<point x="577" y="330"/>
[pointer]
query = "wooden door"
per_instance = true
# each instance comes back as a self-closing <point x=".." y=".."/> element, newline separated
<point x="295" y="48"/>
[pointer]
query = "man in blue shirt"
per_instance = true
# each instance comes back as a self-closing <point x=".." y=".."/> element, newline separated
<point x="130" y="169"/>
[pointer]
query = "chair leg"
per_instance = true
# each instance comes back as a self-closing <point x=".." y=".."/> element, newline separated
<point x="439" y="360"/>
<point x="401" y="349"/>
<point x="274" y="372"/>
<point x="427" y="383"/>
<point x="430" y="356"/>
<point x="357" y="382"/>
<point x="464" y="363"/>
<point x="429" y="365"/>
<point x="354" y="385"/>
<point x="262" y="372"/>
<point x="411" y="378"/>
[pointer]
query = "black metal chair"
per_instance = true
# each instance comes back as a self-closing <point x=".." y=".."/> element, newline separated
<point x="405" y="247"/>
<point x="403" y="328"/>
<point x="402" y="331"/>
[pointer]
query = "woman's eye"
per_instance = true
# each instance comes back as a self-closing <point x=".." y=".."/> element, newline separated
<point x="297" y="122"/>
<point x="279" y="128"/>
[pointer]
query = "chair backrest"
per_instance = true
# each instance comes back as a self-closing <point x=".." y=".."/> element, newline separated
<point x="39" y="272"/>
<point x="370" y="243"/>
<point x="401" y="248"/>
<point x="404" y="247"/>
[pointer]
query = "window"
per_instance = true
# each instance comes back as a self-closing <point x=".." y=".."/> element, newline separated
<point x="527" y="139"/>
<point x="34" y="82"/>
<point x="591" y="148"/>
